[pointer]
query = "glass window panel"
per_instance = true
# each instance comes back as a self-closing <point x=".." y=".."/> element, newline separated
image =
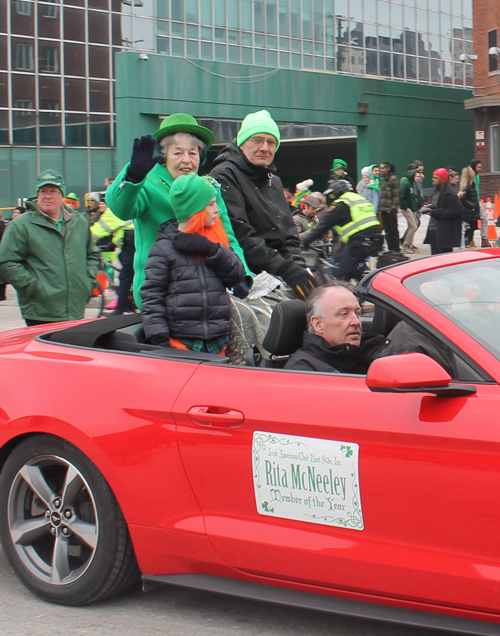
<point x="75" y="3"/>
<point x="295" y="18"/>
<point x="144" y="33"/>
<point x="342" y="31"/>
<point x="23" y="60"/>
<point x="233" y="15"/>
<point x="177" y="9"/>
<point x="296" y="61"/>
<point x="48" y="21"/>
<point x="469" y="75"/>
<point x="271" y="16"/>
<point x="397" y="16"/>
<point x="260" y="59"/>
<point x="342" y="8"/>
<point x="100" y="130"/>
<point x="220" y="35"/>
<point x="246" y="55"/>
<point x="342" y="58"/>
<point x="98" y="27"/>
<point x="421" y="46"/>
<point x="162" y="45"/>
<point x="318" y="20"/>
<point x="434" y="26"/>
<point x="162" y="27"/>
<point x="458" y="74"/>
<point x="74" y="59"/>
<point x="259" y="40"/>
<point x="445" y="24"/>
<point x="20" y="23"/>
<point x="125" y="32"/>
<point x="99" y="61"/>
<point x="206" y="33"/>
<point x="422" y="23"/>
<point x="436" y="71"/>
<point x="206" y="13"/>
<point x="410" y="43"/>
<point x="371" y="36"/>
<point x="24" y="127"/>
<point x="371" y="63"/>
<point x="357" y="34"/>
<point x="411" y="67"/>
<point x="75" y="94"/>
<point x="272" y="42"/>
<point x="49" y="92"/>
<point x="319" y="48"/>
<point x="457" y="25"/>
<point x="357" y="9"/>
<point x="177" y="28"/>
<point x="446" y="49"/>
<point x="467" y="31"/>
<point x="447" y="72"/>
<point x="409" y="18"/>
<point x="307" y="61"/>
<point x="284" y="44"/>
<point x="495" y="149"/>
<point x="3" y="52"/>
<point x="272" y="58"/>
<point x="246" y="14"/>
<point x="330" y="50"/>
<point x="385" y="64"/>
<point x="4" y="140"/>
<point x="192" y="10"/>
<point x="434" y="46"/>
<point x="177" y="47"/>
<point x="319" y="63"/>
<point x="283" y="17"/>
<point x="446" y="5"/>
<point x="206" y="51"/>
<point x="423" y="69"/>
<point x="4" y="90"/>
<point x="467" y="8"/>
<point x="233" y="54"/>
<point x="384" y="13"/>
<point x="329" y="64"/>
<point x="398" y="66"/>
<point x="192" y="48"/>
<point x="306" y="19"/>
<point x="48" y="58"/>
<point x="384" y="39"/>
<point x="258" y="15"/>
<point x="98" y="4"/>
<point x="3" y="17"/>
<point x="370" y="11"/>
<point x="246" y="38"/>
<point x="357" y="61"/>
<point x="307" y="46"/>
<point x="219" y="12"/>
<point x="99" y="96"/>
<point x="284" y="60"/>
<point x="397" y="41"/>
<point x="220" y="52"/>
<point x="50" y="129"/>
<point x="162" y="8"/>
<point x="233" y="37"/>
<point x="23" y="90"/>
<point x="295" y="45"/>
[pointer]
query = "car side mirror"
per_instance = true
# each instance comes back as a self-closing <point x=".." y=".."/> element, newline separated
<point x="413" y="373"/>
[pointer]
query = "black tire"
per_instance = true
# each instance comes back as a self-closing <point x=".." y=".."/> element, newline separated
<point x="61" y="527"/>
<point x="95" y="303"/>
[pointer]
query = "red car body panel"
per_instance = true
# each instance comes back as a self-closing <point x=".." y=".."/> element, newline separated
<point x="428" y="465"/>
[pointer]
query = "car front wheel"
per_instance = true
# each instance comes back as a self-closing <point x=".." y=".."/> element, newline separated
<point x="60" y="525"/>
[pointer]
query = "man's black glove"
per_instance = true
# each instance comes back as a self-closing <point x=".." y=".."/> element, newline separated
<point x="194" y="244"/>
<point x="301" y="282"/>
<point x="241" y="290"/>
<point x="142" y="160"/>
<point x="160" y="339"/>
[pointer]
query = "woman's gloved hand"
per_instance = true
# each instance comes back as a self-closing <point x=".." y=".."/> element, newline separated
<point x="194" y="244"/>
<point x="142" y="160"/>
<point x="298" y="278"/>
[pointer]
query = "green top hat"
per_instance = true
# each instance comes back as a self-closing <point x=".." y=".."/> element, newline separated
<point x="182" y="123"/>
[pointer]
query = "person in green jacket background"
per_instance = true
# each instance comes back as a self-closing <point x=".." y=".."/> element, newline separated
<point x="141" y="191"/>
<point x="50" y="257"/>
<point x="408" y="204"/>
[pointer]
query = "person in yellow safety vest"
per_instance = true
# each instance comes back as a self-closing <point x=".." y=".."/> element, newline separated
<point x="355" y="221"/>
<point x="108" y="233"/>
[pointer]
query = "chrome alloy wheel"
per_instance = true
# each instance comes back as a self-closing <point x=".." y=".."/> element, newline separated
<point x="52" y="520"/>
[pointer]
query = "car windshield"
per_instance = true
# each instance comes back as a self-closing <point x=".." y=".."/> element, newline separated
<point x="469" y="295"/>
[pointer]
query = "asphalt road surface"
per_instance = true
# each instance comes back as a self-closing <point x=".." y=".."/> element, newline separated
<point x="174" y="611"/>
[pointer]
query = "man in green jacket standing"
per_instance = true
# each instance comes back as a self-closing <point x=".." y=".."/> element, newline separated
<point x="408" y="204"/>
<point x="49" y="256"/>
<point x="142" y="189"/>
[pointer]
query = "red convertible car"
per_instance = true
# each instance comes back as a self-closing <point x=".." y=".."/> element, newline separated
<point x="372" y="495"/>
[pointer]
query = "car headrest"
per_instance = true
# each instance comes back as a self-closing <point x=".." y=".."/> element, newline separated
<point x="286" y="328"/>
<point x="384" y="321"/>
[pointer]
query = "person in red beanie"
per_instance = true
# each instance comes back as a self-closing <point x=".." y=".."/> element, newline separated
<point x="445" y="225"/>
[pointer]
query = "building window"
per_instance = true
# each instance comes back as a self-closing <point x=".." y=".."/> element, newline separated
<point x="24" y="60"/>
<point x="493" y="59"/>
<point x="49" y="60"/>
<point x="25" y="104"/>
<point x="49" y="11"/>
<point x="495" y="149"/>
<point x="49" y="104"/>
<point x="23" y="8"/>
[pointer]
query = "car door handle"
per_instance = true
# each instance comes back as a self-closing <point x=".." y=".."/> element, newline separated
<point x="217" y="416"/>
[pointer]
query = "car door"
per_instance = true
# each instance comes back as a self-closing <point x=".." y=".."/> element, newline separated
<point x="313" y="478"/>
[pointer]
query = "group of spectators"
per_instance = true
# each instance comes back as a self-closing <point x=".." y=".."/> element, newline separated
<point x="196" y="237"/>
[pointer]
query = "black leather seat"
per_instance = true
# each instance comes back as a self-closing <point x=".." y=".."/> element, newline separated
<point x="284" y="335"/>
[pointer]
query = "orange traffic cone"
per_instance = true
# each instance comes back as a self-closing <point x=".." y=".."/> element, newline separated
<point x="490" y="215"/>
<point x="496" y="206"/>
